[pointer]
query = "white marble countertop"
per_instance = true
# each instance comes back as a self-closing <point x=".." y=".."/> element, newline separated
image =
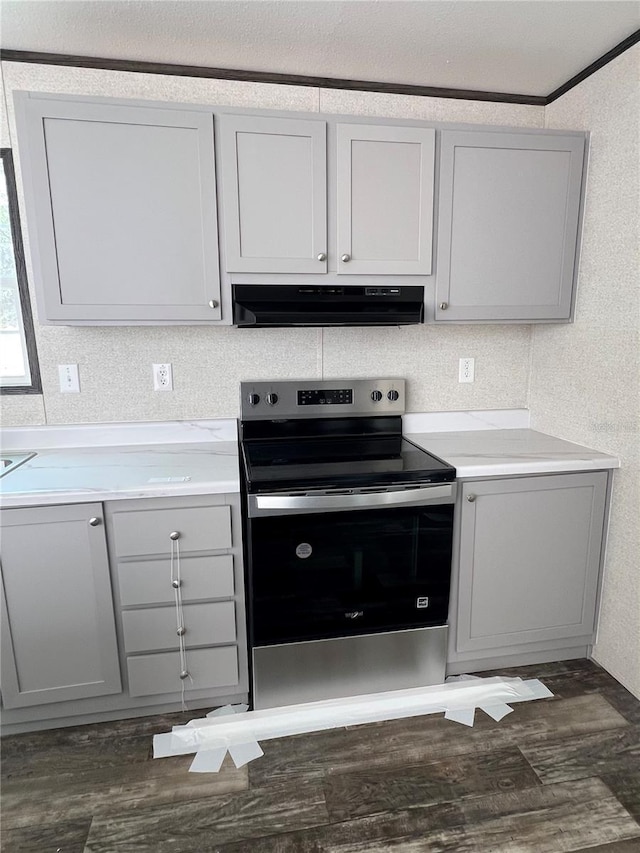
<point x="99" y="462"/>
<point x="504" y="452"/>
<point x="79" y="475"/>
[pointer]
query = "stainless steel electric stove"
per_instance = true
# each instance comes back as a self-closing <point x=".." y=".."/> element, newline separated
<point x="348" y="531"/>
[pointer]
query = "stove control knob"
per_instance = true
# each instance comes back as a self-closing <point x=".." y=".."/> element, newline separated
<point x="392" y="395"/>
<point x="253" y="399"/>
<point x="376" y="396"/>
<point x="271" y="399"/>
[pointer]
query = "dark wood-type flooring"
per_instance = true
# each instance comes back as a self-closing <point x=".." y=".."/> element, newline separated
<point x="556" y="775"/>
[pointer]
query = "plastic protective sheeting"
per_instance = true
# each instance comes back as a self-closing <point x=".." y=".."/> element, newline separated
<point x="237" y="730"/>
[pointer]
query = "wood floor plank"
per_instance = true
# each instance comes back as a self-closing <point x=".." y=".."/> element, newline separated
<point x="546" y="819"/>
<point x="370" y="791"/>
<point x="632" y="845"/>
<point x="405" y="830"/>
<point x="204" y="824"/>
<point x="398" y="743"/>
<point x="20" y="759"/>
<point x="577" y="678"/>
<point x="606" y="752"/>
<point x="625" y="784"/>
<point x="68" y="837"/>
<point x="109" y="790"/>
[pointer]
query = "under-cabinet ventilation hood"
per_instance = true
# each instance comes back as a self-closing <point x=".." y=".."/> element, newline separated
<point x="264" y="305"/>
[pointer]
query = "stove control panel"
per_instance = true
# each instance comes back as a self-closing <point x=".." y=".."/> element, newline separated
<point x="325" y="399"/>
<point x="328" y="397"/>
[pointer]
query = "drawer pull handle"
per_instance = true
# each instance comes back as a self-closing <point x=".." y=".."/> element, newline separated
<point x="94" y="522"/>
<point x="176" y="584"/>
<point x="184" y="674"/>
<point x="181" y="631"/>
<point x="175" y="535"/>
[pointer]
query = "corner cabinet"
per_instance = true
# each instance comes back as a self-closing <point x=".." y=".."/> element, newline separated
<point x="508" y="220"/>
<point x="58" y="629"/>
<point x="121" y="211"/>
<point x="526" y="576"/>
<point x="275" y="184"/>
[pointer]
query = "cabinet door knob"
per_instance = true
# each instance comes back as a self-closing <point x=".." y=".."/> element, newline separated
<point x="94" y="522"/>
<point x="175" y="535"/>
<point x="471" y="498"/>
<point x="213" y="303"/>
<point x="444" y="306"/>
<point x="345" y="258"/>
<point x="322" y="256"/>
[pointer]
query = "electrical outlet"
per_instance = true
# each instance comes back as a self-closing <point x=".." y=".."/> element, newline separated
<point x="69" y="378"/>
<point x="162" y="377"/>
<point x="466" y="369"/>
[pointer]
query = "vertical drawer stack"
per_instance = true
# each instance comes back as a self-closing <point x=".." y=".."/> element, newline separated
<point x="200" y="539"/>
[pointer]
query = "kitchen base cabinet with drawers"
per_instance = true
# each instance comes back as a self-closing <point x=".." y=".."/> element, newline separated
<point x="526" y="570"/>
<point x="156" y="547"/>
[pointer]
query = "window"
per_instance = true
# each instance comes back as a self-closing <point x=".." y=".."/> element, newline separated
<point x="19" y="371"/>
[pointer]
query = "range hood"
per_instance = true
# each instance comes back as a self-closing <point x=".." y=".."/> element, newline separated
<point x="267" y="305"/>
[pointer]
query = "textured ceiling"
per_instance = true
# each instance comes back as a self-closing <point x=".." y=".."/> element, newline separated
<point x="519" y="46"/>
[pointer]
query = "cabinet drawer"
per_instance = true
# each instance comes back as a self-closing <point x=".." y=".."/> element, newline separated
<point x="155" y="674"/>
<point x="205" y="625"/>
<point x="149" y="582"/>
<point x="201" y="528"/>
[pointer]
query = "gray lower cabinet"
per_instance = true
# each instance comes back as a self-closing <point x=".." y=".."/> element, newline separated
<point x="58" y="629"/>
<point x="508" y="219"/>
<point x="190" y="546"/>
<point x="121" y="211"/>
<point x="90" y="623"/>
<point x="528" y="564"/>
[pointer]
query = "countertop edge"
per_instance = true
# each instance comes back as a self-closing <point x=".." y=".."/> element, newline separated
<point x="26" y="499"/>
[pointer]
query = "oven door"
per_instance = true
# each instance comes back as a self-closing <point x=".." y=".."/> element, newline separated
<point x="315" y="573"/>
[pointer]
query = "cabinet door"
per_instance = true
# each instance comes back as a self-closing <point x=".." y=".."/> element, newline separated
<point x="507" y="225"/>
<point x="58" y="631"/>
<point x="121" y="205"/>
<point x="385" y="199"/>
<point x="529" y="559"/>
<point x="275" y="196"/>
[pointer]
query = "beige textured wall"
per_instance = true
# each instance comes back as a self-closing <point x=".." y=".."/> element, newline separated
<point x="585" y="378"/>
<point x="208" y="363"/>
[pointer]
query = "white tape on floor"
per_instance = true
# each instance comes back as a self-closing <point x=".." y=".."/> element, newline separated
<point x="238" y="730"/>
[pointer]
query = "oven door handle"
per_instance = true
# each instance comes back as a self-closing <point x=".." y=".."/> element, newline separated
<point x="442" y="493"/>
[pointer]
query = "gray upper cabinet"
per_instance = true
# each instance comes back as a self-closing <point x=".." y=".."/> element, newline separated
<point x="508" y="222"/>
<point x="58" y="629"/>
<point x="274" y="193"/>
<point x="275" y="178"/>
<point x="384" y="199"/>
<point x="121" y="208"/>
<point x="529" y="562"/>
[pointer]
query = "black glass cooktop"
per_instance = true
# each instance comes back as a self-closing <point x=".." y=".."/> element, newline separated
<point x="349" y="462"/>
